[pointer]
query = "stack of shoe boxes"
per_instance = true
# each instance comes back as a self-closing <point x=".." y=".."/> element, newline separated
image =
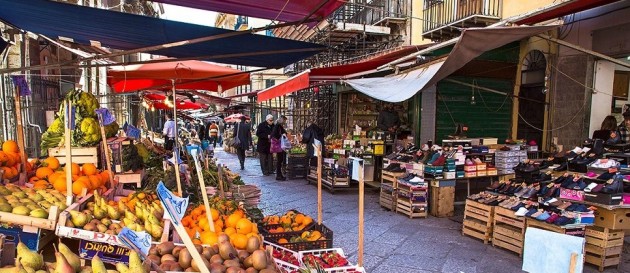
<point x="505" y="161"/>
<point x="449" y="169"/>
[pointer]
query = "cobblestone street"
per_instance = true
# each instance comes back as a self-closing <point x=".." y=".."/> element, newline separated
<point x="393" y="242"/>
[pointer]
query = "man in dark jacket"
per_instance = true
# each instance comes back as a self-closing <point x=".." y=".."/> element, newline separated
<point x="243" y="132"/>
<point x="310" y="134"/>
<point x="201" y="128"/>
<point x="276" y="133"/>
<point x="263" y="132"/>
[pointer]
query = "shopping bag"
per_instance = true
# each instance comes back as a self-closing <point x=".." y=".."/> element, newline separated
<point x="285" y="144"/>
<point x="237" y="142"/>
<point x="275" y="146"/>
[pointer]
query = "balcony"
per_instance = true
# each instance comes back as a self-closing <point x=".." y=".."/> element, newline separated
<point x="443" y="19"/>
<point x="241" y="23"/>
<point x="375" y="12"/>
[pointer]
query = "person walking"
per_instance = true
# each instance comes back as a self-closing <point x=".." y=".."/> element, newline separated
<point x="221" y="125"/>
<point x="201" y="128"/>
<point x="213" y="133"/>
<point x="263" y="132"/>
<point x="169" y="132"/>
<point x="276" y="134"/>
<point x="243" y="132"/>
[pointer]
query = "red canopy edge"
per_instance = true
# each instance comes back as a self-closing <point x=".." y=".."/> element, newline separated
<point x="562" y="9"/>
<point x="293" y="84"/>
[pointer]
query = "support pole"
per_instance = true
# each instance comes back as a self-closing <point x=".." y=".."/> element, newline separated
<point x="108" y="157"/>
<point x="204" y="193"/>
<point x="67" y="143"/>
<point x="361" y="212"/>
<point x="20" y="130"/>
<point x="318" y="152"/>
<point x="175" y="146"/>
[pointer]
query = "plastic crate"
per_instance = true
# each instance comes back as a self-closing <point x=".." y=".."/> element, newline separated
<point x="284" y="267"/>
<point x="302" y="246"/>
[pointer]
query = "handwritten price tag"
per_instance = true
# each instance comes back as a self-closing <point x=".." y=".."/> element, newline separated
<point x="105" y="117"/>
<point x="138" y="241"/>
<point x="20" y="82"/>
<point x="175" y="206"/>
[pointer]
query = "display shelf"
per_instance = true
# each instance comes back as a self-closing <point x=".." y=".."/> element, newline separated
<point x="509" y="230"/>
<point x="603" y="246"/>
<point x="478" y="220"/>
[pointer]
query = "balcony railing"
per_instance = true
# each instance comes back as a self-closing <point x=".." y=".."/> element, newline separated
<point x="371" y="12"/>
<point x="441" y="13"/>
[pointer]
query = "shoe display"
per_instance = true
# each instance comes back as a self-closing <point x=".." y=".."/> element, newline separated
<point x="440" y="161"/>
<point x="416" y="179"/>
<point x="536" y="214"/>
<point x="597" y="188"/>
<point x="590" y="187"/>
<point x="552" y="218"/>
<point x="543" y="216"/>
<point x="563" y="167"/>
<point x="518" y="206"/>
<point x="531" y="212"/>
<point x="521" y="211"/>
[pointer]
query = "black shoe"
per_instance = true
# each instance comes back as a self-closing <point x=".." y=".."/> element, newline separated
<point x="563" y="167"/>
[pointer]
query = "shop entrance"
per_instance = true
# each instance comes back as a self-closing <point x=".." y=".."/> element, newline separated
<point x="532" y="97"/>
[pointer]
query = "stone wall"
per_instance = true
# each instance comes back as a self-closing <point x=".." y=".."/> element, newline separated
<point x="571" y="79"/>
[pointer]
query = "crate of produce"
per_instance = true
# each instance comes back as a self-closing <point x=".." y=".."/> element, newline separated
<point x="295" y="219"/>
<point x="75" y="224"/>
<point x="286" y="260"/>
<point x="317" y="237"/>
<point x="80" y="155"/>
<point x="330" y="259"/>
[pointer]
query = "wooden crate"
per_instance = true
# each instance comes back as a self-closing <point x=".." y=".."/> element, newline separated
<point x="391" y="177"/>
<point x="80" y="155"/>
<point x="130" y="178"/>
<point x="603" y="246"/>
<point x="575" y="231"/>
<point x="7" y="252"/>
<point x="508" y="230"/>
<point x="441" y="201"/>
<point x="478" y="221"/>
<point x="412" y="210"/>
<point x="387" y="197"/>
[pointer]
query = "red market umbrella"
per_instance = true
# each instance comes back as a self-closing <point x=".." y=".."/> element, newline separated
<point x="157" y="101"/>
<point x="195" y="75"/>
<point x="235" y="118"/>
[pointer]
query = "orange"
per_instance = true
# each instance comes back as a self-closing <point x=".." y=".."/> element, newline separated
<point x="3" y="158"/>
<point x="28" y="166"/>
<point x="89" y="169"/>
<point x="239" y="240"/>
<point x="203" y="222"/>
<point x="7" y="173"/>
<point x="283" y="241"/>
<point x="209" y="238"/>
<point x="95" y="181"/>
<point x="10" y="159"/>
<point x="215" y="214"/>
<point x="197" y="241"/>
<point x="233" y="219"/>
<point x="75" y="169"/>
<point x="52" y="162"/>
<point x="254" y="228"/>
<point x="40" y="185"/>
<point x="10" y="146"/>
<point x="243" y="226"/>
<point x="105" y="176"/>
<point x="299" y="218"/>
<point x="33" y="179"/>
<point x="43" y="172"/>
<point x="186" y="221"/>
<point x="59" y="184"/>
<point x="78" y="186"/>
<point x="85" y="181"/>
<point x="239" y="212"/>
<point x="229" y="231"/>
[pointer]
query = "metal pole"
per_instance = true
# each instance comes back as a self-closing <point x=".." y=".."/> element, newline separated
<point x="175" y="146"/>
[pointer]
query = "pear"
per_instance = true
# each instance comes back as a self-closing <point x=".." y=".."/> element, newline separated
<point x="139" y="211"/>
<point x="79" y="219"/>
<point x="39" y="213"/>
<point x="101" y="228"/>
<point x="152" y="219"/>
<point x="99" y="213"/>
<point x="132" y="226"/>
<point x="97" y="265"/>
<point x="148" y="227"/>
<point x="113" y="213"/>
<point x="12" y="269"/>
<point x="135" y="263"/>
<point x="73" y="259"/>
<point x="106" y="221"/>
<point x="62" y="264"/>
<point x="122" y="268"/>
<point x="122" y="206"/>
<point x="29" y="258"/>
<point x="156" y="231"/>
<point x="21" y="210"/>
<point x="6" y="208"/>
<point x="37" y="197"/>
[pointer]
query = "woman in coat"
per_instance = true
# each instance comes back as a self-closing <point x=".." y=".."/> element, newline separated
<point x="243" y="132"/>
<point x="276" y="133"/>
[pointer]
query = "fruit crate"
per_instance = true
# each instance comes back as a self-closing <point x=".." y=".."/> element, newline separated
<point x="301" y="246"/>
<point x="63" y="230"/>
<point x="284" y="266"/>
<point x="80" y="155"/>
<point x="7" y="252"/>
<point x="603" y="246"/>
<point x="318" y="252"/>
<point x="264" y="229"/>
<point x="478" y="220"/>
<point x="508" y="230"/>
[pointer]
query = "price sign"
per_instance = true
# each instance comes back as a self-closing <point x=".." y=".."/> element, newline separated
<point x="174" y="205"/>
<point x="20" y="82"/>
<point x="138" y="241"/>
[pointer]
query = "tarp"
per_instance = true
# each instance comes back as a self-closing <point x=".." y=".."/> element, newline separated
<point x="280" y="10"/>
<point x="295" y="83"/>
<point x="125" y="31"/>
<point x="561" y="9"/>
<point x="473" y="42"/>
<point x="194" y="75"/>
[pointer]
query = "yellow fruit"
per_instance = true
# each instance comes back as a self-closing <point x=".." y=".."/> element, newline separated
<point x="239" y="240"/>
<point x="209" y="238"/>
<point x="243" y="226"/>
<point x="232" y="220"/>
<point x="229" y="231"/>
<point x="75" y="169"/>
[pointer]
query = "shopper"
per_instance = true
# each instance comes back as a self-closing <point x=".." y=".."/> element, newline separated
<point x="169" y="132"/>
<point x="243" y="132"/>
<point x="263" y="132"/>
<point x="622" y="129"/>
<point x="201" y="128"/>
<point x="608" y="131"/>
<point x="310" y="134"/>
<point x="221" y="125"/>
<point x="213" y="133"/>
<point x="276" y="134"/>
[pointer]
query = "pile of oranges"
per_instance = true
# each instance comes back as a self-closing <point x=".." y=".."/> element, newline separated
<point x="290" y="221"/>
<point x="10" y="160"/>
<point x="52" y="175"/>
<point x="235" y="225"/>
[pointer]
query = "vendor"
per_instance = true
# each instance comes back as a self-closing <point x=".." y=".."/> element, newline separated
<point x="169" y="132"/>
<point x="388" y="120"/>
<point x="310" y="134"/>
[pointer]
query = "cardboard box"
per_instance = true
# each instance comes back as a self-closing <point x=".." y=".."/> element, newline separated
<point x="491" y="171"/>
<point x="613" y="219"/>
<point x="603" y="198"/>
<point x="482" y="173"/>
<point x="470" y="168"/>
<point x="460" y="174"/>
<point x="470" y="174"/>
<point x="569" y="194"/>
<point x="481" y="167"/>
<point x="449" y="175"/>
<point x="443" y="183"/>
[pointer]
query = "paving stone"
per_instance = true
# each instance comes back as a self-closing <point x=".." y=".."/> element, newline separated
<point x="414" y="261"/>
<point x="398" y="269"/>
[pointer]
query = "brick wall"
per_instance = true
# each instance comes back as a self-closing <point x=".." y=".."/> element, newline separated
<point x="570" y="99"/>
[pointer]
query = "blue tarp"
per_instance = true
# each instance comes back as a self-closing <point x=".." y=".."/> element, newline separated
<point x="128" y="31"/>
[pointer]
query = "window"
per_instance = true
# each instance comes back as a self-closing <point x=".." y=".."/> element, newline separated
<point x="270" y="83"/>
